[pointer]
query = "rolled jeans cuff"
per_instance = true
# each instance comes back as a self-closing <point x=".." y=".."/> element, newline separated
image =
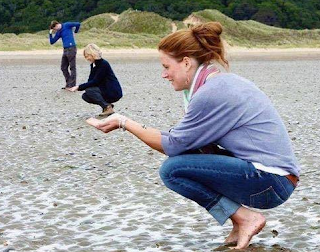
<point x="223" y="209"/>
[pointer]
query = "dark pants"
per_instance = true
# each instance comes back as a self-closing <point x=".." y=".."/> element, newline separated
<point x="69" y="60"/>
<point x="93" y="95"/>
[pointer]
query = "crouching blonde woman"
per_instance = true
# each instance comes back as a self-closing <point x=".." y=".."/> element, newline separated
<point x="102" y="87"/>
<point x="255" y="167"/>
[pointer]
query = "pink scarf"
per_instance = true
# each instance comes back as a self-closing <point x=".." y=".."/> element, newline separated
<point x="199" y="80"/>
<point x="204" y="73"/>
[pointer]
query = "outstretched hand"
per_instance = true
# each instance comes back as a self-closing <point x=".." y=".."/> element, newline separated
<point x="73" y="89"/>
<point x="150" y="136"/>
<point x="108" y="124"/>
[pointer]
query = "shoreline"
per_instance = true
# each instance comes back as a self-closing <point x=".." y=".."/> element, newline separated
<point x="231" y="52"/>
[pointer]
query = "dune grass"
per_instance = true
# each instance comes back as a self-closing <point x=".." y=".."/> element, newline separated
<point x="101" y="21"/>
<point x="137" y="29"/>
<point x="254" y="34"/>
<point x="136" y="22"/>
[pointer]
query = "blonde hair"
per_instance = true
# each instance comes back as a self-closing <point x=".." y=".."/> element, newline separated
<point x="202" y="42"/>
<point x="93" y="50"/>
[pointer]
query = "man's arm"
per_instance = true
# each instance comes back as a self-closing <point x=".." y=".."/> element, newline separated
<point x="55" y="38"/>
<point x="73" y="24"/>
<point x="77" y="25"/>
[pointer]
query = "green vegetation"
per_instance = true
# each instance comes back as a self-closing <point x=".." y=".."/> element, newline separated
<point x="136" y="29"/>
<point x="21" y="16"/>
<point x="253" y="34"/>
<point x="101" y="21"/>
<point x="132" y="21"/>
<point x="101" y="37"/>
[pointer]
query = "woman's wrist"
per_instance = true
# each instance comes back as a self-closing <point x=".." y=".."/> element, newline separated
<point x="122" y="122"/>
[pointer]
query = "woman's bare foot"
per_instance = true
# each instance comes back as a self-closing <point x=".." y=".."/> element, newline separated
<point x="249" y="223"/>
<point x="232" y="239"/>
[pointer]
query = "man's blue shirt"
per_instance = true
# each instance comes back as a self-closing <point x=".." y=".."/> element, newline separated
<point x="66" y="33"/>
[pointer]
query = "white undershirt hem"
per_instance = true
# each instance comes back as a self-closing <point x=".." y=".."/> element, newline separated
<point x="270" y="169"/>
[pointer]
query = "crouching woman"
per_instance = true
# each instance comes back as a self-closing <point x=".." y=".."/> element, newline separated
<point x="102" y="87"/>
<point x="256" y="167"/>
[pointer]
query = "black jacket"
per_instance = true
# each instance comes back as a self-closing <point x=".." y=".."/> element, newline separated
<point x="103" y="77"/>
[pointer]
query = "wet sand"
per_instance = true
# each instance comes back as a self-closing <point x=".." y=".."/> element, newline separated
<point x="68" y="187"/>
<point x="234" y="53"/>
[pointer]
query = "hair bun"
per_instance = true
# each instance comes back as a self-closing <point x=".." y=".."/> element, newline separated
<point x="202" y="42"/>
<point x="214" y="26"/>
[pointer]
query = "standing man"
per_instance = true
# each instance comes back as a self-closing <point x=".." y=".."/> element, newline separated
<point x="65" y="31"/>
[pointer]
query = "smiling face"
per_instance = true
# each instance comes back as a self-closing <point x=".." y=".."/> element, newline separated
<point x="89" y="57"/>
<point x="179" y="73"/>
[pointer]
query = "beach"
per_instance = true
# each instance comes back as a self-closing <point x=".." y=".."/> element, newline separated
<point x="232" y="52"/>
<point x="66" y="186"/>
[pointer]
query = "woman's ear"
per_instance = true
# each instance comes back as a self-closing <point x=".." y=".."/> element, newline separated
<point x="187" y="62"/>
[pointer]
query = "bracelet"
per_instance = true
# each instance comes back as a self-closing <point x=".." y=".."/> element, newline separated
<point x="122" y="123"/>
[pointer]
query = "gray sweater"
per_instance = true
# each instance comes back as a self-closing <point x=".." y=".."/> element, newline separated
<point x="232" y="112"/>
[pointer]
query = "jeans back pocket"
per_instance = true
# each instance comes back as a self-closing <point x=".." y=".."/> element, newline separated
<point x="266" y="199"/>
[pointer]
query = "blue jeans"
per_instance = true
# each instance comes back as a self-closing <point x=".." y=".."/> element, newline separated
<point x="221" y="184"/>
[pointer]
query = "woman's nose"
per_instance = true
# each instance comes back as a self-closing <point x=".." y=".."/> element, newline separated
<point x="164" y="74"/>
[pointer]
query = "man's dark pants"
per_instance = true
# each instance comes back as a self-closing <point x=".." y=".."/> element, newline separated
<point x="69" y="60"/>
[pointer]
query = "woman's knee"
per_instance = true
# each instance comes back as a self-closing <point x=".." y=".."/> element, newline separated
<point x="89" y="94"/>
<point x="86" y="97"/>
<point x="167" y="168"/>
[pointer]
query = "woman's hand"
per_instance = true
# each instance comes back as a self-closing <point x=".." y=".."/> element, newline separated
<point x="150" y="136"/>
<point x="108" y="124"/>
<point x="73" y="89"/>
